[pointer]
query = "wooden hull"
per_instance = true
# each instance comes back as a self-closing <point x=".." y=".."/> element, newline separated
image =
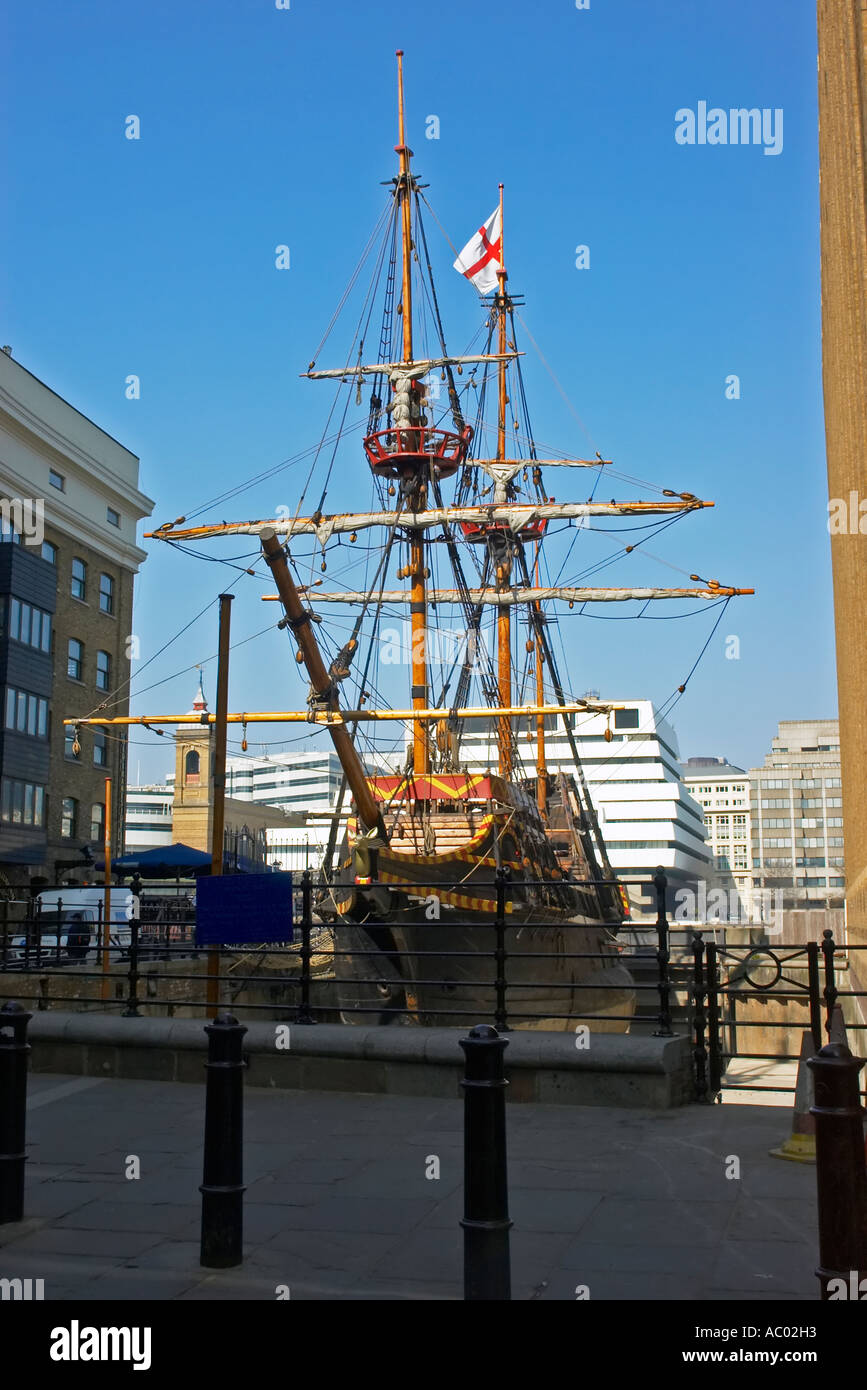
<point x="416" y="937"/>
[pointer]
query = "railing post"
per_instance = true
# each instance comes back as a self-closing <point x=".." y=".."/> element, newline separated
<point x="830" y="991"/>
<point x="500" y="1017"/>
<point x="663" y="956"/>
<point x="304" y="1014"/>
<point x="32" y="917"/>
<point x="14" y="1048"/>
<point x="222" y="1186"/>
<point x="713" y="1022"/>
<point x="841" y="1177"/>
<point x="132" y="1010"/>
<point x="486" y="1224"/>
<point x="699" y="1050"/>
<point x="815" y="993"/>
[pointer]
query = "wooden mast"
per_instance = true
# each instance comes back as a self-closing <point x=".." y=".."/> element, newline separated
<point x="418" y="596"/>
<point x="541" y="769"/>
<point x="504" y="565"/>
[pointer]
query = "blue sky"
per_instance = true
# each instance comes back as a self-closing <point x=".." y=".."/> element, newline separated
<point x="261" y="127"/>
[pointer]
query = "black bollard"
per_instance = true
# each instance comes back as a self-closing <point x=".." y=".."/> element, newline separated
<point x="487" y="1273"/>
<point x="841" y="1177"/>
<point x="663" y="956"/>
<point x="14" y="1048"/>
<point x="222" y="1186"/>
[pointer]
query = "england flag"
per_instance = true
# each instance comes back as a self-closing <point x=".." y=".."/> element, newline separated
<point x="480" y="259"/>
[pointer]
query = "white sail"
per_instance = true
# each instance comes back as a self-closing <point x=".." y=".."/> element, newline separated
<point x="505" y="598"/>
<point x="514" y="515"/>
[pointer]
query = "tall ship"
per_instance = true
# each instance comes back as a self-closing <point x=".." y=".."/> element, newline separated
<point x="424" y="861"/>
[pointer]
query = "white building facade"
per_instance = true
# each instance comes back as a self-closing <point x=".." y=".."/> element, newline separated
<point x="647" y="815"/>
<point x="148" y="817"/>
<point x="723" y="792"/>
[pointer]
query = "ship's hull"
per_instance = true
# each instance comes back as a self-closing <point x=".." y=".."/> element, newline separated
<point x="416" y="936"/>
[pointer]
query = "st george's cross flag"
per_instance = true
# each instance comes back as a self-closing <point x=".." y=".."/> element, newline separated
<point x="480" y="259"/>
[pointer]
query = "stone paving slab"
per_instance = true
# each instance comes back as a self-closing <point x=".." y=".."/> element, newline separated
<point x="634" y="1204"/>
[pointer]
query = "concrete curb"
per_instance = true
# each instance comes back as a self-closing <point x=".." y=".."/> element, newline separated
<point x="615" y="1069"/>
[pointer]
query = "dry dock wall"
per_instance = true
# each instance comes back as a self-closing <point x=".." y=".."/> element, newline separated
<point x="614" y="1069"/>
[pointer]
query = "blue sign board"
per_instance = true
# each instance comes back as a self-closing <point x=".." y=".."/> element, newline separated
<point x="233" y="909"/>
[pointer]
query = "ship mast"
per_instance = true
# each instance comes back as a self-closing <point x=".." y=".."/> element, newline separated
<point x="417" y="486"/>
<point x="541" y="769"/>
<point x="504" y="559"/>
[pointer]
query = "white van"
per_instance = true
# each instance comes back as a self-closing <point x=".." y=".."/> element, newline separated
<point x="74" y="914"/>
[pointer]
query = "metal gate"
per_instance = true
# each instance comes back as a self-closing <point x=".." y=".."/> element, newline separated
<point x="724" y="977"/>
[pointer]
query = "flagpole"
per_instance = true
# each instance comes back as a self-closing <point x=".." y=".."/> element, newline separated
<point x="504" y="568"/>
<point x="418" y="593"/>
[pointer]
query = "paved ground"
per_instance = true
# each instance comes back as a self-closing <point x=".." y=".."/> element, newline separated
<point x="634" y="1204"/>
<point x="751" y="1073"/>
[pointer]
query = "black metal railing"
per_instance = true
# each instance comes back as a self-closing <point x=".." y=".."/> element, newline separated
<point x="145" y="969"/>
<point x="727" y="977"/>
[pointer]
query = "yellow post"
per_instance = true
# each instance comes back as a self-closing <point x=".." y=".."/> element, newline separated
<point x="106" y="899"/>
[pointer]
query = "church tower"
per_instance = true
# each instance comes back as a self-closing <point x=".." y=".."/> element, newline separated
<point x="193" y="753"/>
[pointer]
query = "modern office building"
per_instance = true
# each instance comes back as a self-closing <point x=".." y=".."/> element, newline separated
<point x="69" y="507"/>
<point x="300" y="783"/>
<point x="797" y="815"/>
<point x="148" y="817"/>
<point x="647" y="815"/>
<point x="723" y="792"/>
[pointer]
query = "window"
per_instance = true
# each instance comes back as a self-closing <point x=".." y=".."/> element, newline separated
<point x="69" y="744"/>
<point x="100" y="755"/>
<point x="106" y="593"/>
<point x="626" y="719"/>
<point x="75" y="660"/>
<point x="68" y="817"/>
<point x="103" y="671"/>
<point x="57" y="480"/>
<point x="78" y="583"/>
<point x="49" y="552"/>
<point x="22" y="803"/>
<point x="112" y="517"/>
<point x="191" y="767"/>
<point x="97" y="821"/>
<point x="28" y="625"/>
<point x="26" y="714"/>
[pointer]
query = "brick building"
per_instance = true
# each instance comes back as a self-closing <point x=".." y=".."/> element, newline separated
<point x="69" y="508"/>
